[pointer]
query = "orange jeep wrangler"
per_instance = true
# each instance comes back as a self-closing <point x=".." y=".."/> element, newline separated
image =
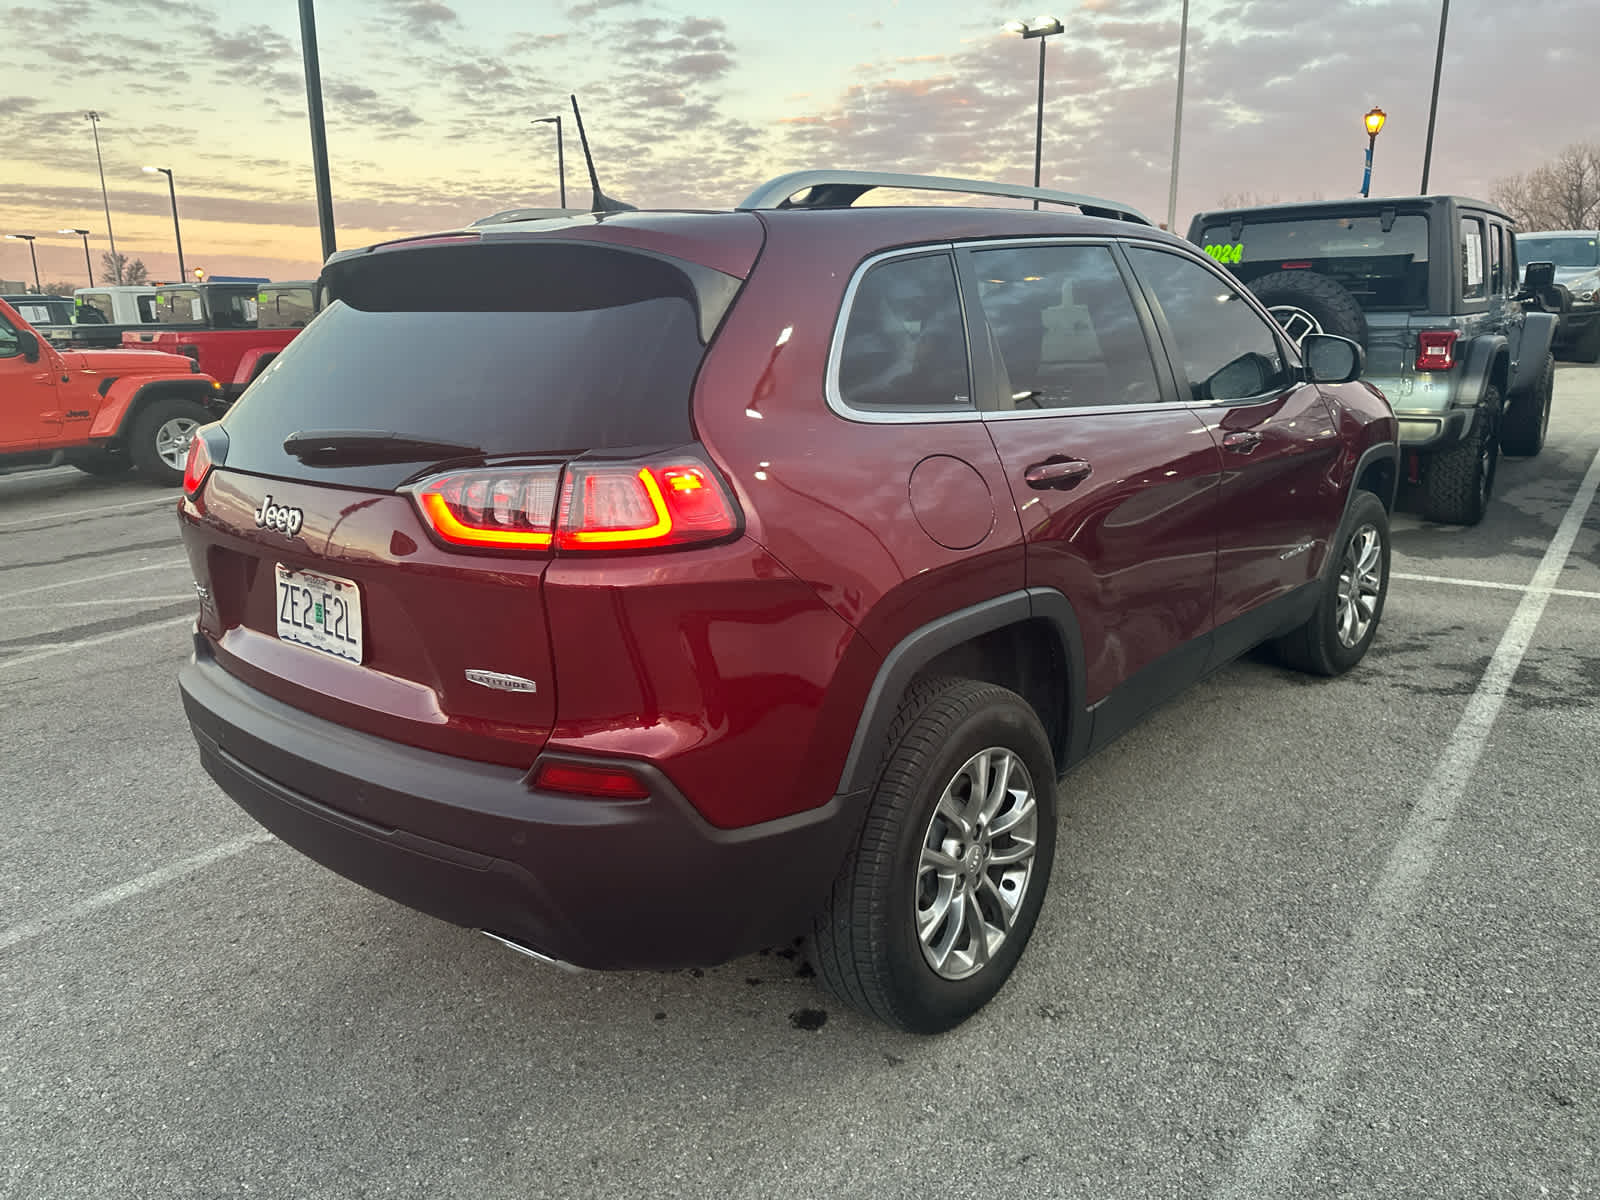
<point x="103" y="411"/>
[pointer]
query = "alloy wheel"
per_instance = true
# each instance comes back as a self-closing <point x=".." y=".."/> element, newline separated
<point x="1360" y="582"/>
<point x="172" y="441"/>
<point x="976" y="862"/>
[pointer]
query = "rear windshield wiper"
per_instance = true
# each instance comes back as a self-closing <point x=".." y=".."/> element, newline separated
<point x="331" y="447"/>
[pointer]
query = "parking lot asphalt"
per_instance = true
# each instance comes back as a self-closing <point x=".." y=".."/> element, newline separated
<point x="1304" y="938"/>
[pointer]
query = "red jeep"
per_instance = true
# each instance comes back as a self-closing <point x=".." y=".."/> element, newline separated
<point x="103" y="411"/>
<point x="762" y="569"/>
<point x="217" y="325"/>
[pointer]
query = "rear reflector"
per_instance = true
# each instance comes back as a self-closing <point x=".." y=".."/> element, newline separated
<point x="584" y="779"/>
<point x="650" y="504"/>
<point x="1436" y="349"/>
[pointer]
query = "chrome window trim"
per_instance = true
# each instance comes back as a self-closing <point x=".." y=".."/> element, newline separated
<point x="908" y="416"/>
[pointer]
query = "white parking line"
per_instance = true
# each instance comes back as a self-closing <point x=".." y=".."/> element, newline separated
<point x="1488" y="583"/>
<point x="50" y="587"/>
<point x="50" y="651"/>
<point x="123" y="600"/>
<point x="89" y="512"/>
<point x="29" y="930"/>
<point x="1287" y="1120"/>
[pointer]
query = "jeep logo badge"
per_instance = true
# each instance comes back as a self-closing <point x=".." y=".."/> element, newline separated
<point x="279" y="516"/>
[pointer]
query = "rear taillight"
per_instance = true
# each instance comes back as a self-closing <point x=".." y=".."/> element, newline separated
<point x="675" y="500"/>
<point x="587" y="779"/>
<point x="510" y="509"/>
<point x="197" y="466"/>
<point x="1436" y="349"/>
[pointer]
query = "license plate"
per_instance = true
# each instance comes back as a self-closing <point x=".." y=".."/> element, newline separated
<point x="319" y="611"/>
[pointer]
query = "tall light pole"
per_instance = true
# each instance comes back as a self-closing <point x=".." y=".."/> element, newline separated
<point x="87" y="265"/>
<point x="561" y="158"/>
<point x="1177" y="119"/>
<point x="172" y="190"/>
<point x="1041" y="28"/>
<point x="1433" y="105"/>
<point x="1374" y="122"/>
<point x="93" y="118"/>
<point x="28" y="237"/>
<point x="319" y="129"/>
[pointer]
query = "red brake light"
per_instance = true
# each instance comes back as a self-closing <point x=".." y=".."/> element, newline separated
<point x="197" y="466"/>
<point x="633" y="505"/>
<point x="1436" y="349"/>
<point x="585" y="779"/>
<point x="1294" y="266"/>
<point x="508" y="509"/>
<point x="669" y="502"/>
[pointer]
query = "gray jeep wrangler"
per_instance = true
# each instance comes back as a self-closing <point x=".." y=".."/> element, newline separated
<point x="1429" y="286"/>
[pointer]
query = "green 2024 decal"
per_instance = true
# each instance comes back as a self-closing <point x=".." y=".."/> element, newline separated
<point x="1226" y="254"/>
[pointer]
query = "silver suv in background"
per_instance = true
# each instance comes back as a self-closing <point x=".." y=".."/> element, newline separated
<point x="1576" y="255"/>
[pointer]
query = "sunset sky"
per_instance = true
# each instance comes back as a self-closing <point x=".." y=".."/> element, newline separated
<point x="693" y="102"/>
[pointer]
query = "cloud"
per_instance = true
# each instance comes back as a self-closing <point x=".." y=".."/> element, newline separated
<point x="425" y="18"/>
<point x="581" y="12"/>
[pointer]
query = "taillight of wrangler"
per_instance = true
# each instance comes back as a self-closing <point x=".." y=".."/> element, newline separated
<point x="1436" y="349"/>
<point x="639" y="504"/>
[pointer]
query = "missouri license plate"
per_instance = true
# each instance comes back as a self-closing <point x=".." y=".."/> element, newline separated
<point x="319" y="611"/>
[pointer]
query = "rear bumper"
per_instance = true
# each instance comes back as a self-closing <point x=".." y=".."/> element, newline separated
<point x="595" y="883"/>
<point x="1427" y="430"/>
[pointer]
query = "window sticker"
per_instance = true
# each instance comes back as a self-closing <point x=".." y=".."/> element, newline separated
<point x="1226" y="254"/>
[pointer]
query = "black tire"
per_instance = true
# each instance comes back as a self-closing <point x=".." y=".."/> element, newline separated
<point x="151" y="433"/>
<point x="1332" y="307"/>
<point x="1522" y="430"/>
<point x="1588" y="349"/>
<point x="866" y="946"/>
<point x="1332" y="639"/>
<point x="104" y="465"/>
<point x="1457" y="482"/>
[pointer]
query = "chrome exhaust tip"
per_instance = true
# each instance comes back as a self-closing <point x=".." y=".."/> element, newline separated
<point x="536" y="955"/>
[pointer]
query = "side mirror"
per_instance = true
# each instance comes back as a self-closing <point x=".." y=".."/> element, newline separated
<point x="1538" y="277"/>
<point x="29" y="343"/>
<point x="1331" y="359"/>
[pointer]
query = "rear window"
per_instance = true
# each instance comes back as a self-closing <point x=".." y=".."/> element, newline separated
<point x="1571" y="251"/>
<point x="552" y="349"/>
<point x="285" y="308"/>
<point x="1383" y="269"/>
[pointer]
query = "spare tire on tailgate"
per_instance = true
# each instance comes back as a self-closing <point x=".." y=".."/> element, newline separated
<point x="1304" y="302"/>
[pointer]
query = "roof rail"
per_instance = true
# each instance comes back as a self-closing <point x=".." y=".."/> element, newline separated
<point x="840" y="189"/>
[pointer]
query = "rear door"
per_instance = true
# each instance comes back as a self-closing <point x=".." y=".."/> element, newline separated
<point x="532" y="355"/>
<point x="1115" y="479"/>
<point x="1280" y="500"/>
<point x="28" y="409"/>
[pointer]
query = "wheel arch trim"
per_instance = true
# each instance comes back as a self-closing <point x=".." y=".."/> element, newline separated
<point x="921" y="646"/>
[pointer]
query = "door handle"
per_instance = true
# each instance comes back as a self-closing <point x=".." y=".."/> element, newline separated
<point x="1057" y="473"/>
<point x="1242" y="442"/>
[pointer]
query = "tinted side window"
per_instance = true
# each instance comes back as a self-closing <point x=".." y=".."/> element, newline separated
<point x="1497" y="271"/>
<point x="1472" y="270"/>
<point x="1065" y="327"/>
<point x="905" y="345"/>
<point x="10" y="344"/>
<point x="100" y="302"/>
<point x="1225" y="350"/>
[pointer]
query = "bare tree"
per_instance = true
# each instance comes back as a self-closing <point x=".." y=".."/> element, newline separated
<point x="115" y="268"/>
<point x="60" y="289"/>
<point x="1564" y="193"/>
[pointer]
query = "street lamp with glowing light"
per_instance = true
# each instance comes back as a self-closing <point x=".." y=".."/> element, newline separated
<point x="1374" y="123"/>
<point x="1042" y="28"/>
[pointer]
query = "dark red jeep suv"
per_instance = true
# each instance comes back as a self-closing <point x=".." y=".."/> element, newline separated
<point x="645" y="588"/>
